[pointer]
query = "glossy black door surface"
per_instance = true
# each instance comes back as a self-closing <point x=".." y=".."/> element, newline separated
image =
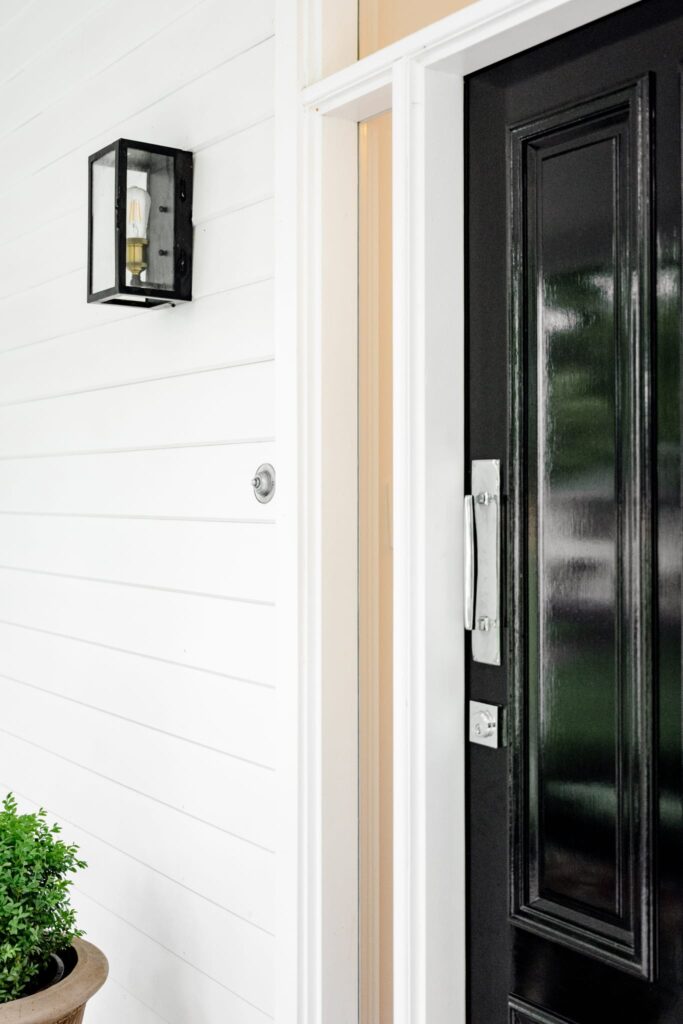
<point x="574" y="334"/>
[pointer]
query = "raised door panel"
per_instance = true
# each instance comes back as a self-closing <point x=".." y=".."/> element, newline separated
<point x="581" y="521"/>
<point x="524" y="1013"/>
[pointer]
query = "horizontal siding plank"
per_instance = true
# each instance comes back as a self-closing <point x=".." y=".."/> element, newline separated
<point x="137" y="615"/>
<point x="113" y="1003"/>
<point x="67" y="235"/>
<point x="210" y="34"/>
<point x="224" y="714"/>
<point x="232" y="175"/>
<point x="234" y="250"/>
<point x="212" y="482"/>
<point x="227" y="559"/>
<point x="54" y="308"/>
<point x="230" y="252"/>
<point x="226" y="100"/>
<point x="202" y="632"/>
<point x="188" y="778"/>
<point x="230" y="327"/>
<point x="34" y="28"/>
<point x="8" y="11"/>
<point x="192" y="928"/>
<point x="234" y="404"/>
<point x="176" y="991"/>
<point x="236" y="875"/>
<point x="235" y="171"/>
<point x="98" y="39"/>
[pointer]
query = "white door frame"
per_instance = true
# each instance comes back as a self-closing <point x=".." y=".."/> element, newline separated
<point x="421" y="79"/>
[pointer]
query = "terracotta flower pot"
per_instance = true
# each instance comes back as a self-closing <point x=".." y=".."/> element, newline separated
<point x="64" y="1003"/>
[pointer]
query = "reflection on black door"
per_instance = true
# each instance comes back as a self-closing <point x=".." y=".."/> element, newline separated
<point x="574" y="336"/>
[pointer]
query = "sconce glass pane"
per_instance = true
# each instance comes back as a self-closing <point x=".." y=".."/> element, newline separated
<point x="150" y="211"/>
<point x="103" y="256"/>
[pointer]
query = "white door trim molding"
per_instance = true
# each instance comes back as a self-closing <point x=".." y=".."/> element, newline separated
<point x="421" y="79"/>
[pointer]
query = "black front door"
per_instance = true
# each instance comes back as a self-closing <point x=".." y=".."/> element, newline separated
<point x="574" y="370"/>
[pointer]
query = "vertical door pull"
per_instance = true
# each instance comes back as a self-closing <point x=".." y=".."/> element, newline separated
<point x="469" y="562"/>
<point x="482" y="561"/>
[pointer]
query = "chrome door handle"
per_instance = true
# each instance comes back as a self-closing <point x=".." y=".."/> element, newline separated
<point x="482" y="521"/>
<point x="469" y="561"/>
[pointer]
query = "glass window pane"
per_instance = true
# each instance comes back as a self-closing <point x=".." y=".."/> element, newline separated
<point x="381" y="22"/>
<point x="149" y="219"/>
<point x="103" y="253"/>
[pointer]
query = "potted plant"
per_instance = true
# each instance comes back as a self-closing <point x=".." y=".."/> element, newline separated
<point x="47" y="971"/>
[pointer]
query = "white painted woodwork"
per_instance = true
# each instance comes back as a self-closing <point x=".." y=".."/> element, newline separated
<point x="335" y="487"/>
<point x="237" y="171"/>
<point x="186" y="118"/>
<point x="292" y="906"/>
<point x="120" y="1005"/>
<point x="175" y="998"/>
<point x="227" y="715"/>
<point x="32" y="32"/>
<point x="193" y="409"/>
<point x="230" y="560"/>
<point x="209" y="481"/>
<point x="163" y="838"/>
<point x="204" y="38"/>
<point x="230" y="211"/>
<point x="117" y="1004"/>
<point x="138" y="673"/>
<point x="217" y="635"/>
<point x="151" y="765"/>
<point x="119" y="637"/>
<point x="187" y="925"/>
<point x="50" y="63"/>
<point x="236" y="250"/>
<point x="232" y="327"/>
<point x="420" y="78"/>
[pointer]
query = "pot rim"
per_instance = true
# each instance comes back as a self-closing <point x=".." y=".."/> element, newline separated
<point x="51" y="1004"/>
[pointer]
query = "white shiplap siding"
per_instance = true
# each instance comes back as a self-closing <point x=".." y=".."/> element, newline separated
<point x="137" y="589"/>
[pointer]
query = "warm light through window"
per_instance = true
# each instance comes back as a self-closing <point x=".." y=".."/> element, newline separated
<point x="381" y="22"/>
<point x="375" y="485"/>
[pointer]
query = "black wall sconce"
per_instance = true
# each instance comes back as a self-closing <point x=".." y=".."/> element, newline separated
<point x="140" y="225"/>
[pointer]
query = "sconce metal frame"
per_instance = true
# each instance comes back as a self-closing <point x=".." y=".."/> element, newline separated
<point x="121" y="294"/>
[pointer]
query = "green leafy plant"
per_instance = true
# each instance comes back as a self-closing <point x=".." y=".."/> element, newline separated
<point x="36" y="917"/>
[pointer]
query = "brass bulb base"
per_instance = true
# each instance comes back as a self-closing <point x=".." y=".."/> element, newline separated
<point x="136" y="249"/>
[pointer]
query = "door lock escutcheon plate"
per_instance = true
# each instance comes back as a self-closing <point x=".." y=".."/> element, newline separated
<point x="487" y="724"/>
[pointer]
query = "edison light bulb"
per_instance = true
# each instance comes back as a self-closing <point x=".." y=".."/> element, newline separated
<point x="137" y="219"/>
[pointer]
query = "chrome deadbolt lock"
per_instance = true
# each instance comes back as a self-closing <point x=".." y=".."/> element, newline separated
<point x="484" y="725"/>
<point x="487" y="724"/>
<point x="264" y="483"/>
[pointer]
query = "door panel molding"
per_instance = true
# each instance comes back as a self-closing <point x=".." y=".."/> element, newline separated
<point x="522" y="1012"/>
<point x="607" y="138"/>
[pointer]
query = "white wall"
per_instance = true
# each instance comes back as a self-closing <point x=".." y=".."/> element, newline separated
<point x="136" y="568"/>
